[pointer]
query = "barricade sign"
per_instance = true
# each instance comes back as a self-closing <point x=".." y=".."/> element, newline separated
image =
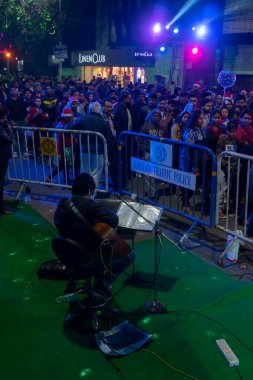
<point x="163" y="173"/>
<point x="48" y="146"/>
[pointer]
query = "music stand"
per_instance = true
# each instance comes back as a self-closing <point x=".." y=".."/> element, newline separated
<point x="140" y="217"/>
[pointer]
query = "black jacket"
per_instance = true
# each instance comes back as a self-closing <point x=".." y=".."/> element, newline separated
<point x="69" y="225"/>
<point x="121" y="119"/>
<point x="6" y="137"/>
<point x="17" y="110"/>
<point x="94" y="122"/>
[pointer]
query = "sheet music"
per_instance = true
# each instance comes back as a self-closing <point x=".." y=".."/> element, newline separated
<point x="128" y="218"/>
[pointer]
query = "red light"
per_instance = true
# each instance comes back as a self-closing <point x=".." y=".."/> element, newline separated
<point x="7" y="54"/>
<point x="195" y="50"/>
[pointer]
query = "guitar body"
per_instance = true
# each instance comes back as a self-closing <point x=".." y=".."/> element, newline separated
<point x="106" y="232"/>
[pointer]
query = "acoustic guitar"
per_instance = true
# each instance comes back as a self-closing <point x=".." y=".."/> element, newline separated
<point x="106" y="232"/>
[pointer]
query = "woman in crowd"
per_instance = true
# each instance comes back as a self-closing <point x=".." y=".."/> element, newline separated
<point x="214" y="130"/>
<point x="191" y="160"/>
<point x="178" y="127"/>
<point x="224" y="116"/>
<point x="37" y="118"/>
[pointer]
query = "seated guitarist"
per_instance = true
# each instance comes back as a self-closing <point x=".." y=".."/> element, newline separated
<point x="75" y="219"/>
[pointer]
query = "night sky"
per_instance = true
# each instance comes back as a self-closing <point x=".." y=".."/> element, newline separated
<point x="131" y="20"/>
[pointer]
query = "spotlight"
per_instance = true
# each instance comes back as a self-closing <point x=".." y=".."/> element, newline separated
<point x="162" y="48"/>
<point x="201" y="31"/>
<point x="167" y="26"/>
<point x="194" y="28"/>
<point x="195" y="50"/>
<point x="157" y="28"/>
<point x="176" y="30"/>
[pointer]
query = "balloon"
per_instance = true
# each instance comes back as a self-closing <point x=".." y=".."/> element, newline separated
<point x="226" y="78"/>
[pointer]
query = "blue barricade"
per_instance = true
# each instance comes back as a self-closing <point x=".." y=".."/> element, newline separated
<point x="174" y="175"/>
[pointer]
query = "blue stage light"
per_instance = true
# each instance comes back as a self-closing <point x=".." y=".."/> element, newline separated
<point x="201" y="31"/>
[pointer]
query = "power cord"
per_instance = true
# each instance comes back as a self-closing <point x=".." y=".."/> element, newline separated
<point x="169" y="365"/>
<point x="238" y="372"/>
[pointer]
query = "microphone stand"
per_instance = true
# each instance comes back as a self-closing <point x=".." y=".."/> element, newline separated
<point x="154" y="306"/>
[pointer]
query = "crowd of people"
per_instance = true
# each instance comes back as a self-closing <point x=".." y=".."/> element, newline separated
<point x="197" y="116"/>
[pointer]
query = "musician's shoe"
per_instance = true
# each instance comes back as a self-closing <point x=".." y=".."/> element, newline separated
<point x="3" y="211"/>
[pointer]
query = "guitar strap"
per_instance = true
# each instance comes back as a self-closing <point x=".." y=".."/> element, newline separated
<point x="75" y="210"/>
<point x="122" y="248"/>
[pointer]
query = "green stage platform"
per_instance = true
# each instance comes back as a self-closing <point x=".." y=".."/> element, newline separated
<point x="203" y="304"/>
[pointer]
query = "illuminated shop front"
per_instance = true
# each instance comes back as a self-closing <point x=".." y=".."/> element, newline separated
<point x="123" y="66"/>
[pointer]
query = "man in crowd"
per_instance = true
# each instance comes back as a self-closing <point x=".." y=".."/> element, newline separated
<point x="50" y="101"/>
<point x="17" y="114"/>
<point x="122" y="114"/>
<point x="107" y="113"/>
<point x="244" y="134"/>
<point x="142" y="114"/>
<point x="5" y="152"/>
<point x="92" y="160"/>
<point x="123" y="122"/>
<point x="135" y="108"/>
<point x="192" y="104"/>
<point x="207" y="106"/>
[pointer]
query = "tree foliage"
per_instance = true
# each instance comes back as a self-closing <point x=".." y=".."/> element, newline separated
<point x="26" y="24"/>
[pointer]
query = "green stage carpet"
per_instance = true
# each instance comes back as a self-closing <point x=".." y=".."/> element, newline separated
<point x="203" y="304"/>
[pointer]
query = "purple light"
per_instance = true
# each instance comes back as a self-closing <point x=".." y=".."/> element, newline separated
<point x="157" y="28"/>
<point x="195" y="50"/>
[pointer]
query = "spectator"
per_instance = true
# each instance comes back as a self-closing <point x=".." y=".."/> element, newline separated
<point x="6" y="138"/>
<point x="92" y="156"/>
<point x="214" y="130"/>
<point x="244" y="134"/>
<point x="178" y="127"/>
<point x="142" y="114"/>
<point x="64" y="148"/>
<point x="37" y="118"/>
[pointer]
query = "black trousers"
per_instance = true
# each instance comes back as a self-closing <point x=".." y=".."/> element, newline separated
<point x="3" y="171"/>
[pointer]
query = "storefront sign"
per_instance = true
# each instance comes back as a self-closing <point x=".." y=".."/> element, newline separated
<point x="174" y="176"/>
<point x="92" y="58"/>
<point x="138" y="54"/>
<point x="113" y="57"/>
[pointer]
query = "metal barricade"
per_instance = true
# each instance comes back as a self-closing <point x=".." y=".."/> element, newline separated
<point x="234" y="201"/>
<point x="174" y="175"/>
<point x="54" y="157"/>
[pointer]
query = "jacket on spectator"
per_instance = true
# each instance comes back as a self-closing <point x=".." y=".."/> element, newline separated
<point x="6" y="137"/>
<point x="94" y="122"/>
<point x="244" y="135"/>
